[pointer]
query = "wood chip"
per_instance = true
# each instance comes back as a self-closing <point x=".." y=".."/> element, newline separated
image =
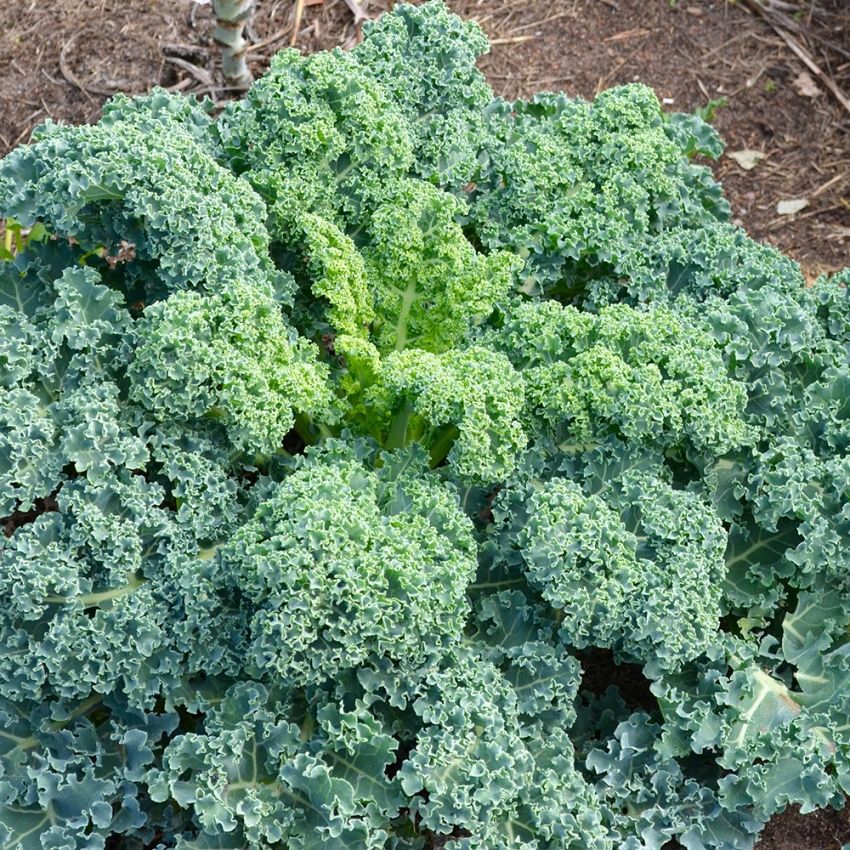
<point x="806" y="86"/>
<point x="747" y="159"/>
<point x="627" y="34"/>
<point x="791" y="206"/>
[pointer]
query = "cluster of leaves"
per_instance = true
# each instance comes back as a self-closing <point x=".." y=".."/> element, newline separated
<point x="342" y="434"/>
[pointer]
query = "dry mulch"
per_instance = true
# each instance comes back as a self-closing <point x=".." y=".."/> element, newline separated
<point x="693" y="53"/>
<point x="61" y="60"/>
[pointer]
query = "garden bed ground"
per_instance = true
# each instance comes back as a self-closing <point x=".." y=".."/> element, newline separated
<point x="62" y="59"/>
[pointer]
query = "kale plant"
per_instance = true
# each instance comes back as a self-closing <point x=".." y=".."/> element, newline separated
<point x="356" y="442"/>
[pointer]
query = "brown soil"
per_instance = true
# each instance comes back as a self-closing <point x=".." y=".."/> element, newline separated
<point x="824" y="830"/>
<point x="61" y="60"/>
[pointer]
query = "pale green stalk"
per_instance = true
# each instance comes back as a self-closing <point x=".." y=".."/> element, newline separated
<point x="231" y="19"/>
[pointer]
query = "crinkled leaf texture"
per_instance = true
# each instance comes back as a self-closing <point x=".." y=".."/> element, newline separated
<point x="356" y="442"/>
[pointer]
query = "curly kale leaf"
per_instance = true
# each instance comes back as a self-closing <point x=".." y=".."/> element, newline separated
<point x="147" y="182"/>
<point x="228" y="357"/>
<point x="648" y="800"/>
<point x="71" y="775"/>
<point x="254" y="775"/>
<point x="61" y="357"/>
<point x="430" y="284"/>
<point x="85" y="601"/>
<point x="583" y="190"/>
<point x="465" y="405"/>
<point x="412" y="279"/>
<point x="474" y="774"/>
<point x="316" y="134"/>
<point x="786" y="495"/>
<point x="767" y="710"/>
<point x="648" y="376"/>
<point x="424" y="57"/>
<point x="338" y="275"/>
<point x="470" y="709"/>
<point x="342" y="563"/>
<point x="636" y="565"/>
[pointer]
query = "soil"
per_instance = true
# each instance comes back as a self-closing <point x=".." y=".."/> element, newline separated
<point x="62" y="59"/>
<point x="824" y="830"/>
<point x="693" y="53"/>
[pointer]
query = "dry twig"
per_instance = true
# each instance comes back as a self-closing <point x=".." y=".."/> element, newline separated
<point x="299" y="12"/>
<point x="185" y="83"/>
<point x="203" y="76"/>
<point x="69" y="75"/>
<point x="829" y="183"/>
<point x="544" y="21"/>
<point x="627" y="34"/>
<point x="272" y="39"/>
<point x="357" y="11"/>
<point x="517" y="39"/>
<point x="802" y="54"/>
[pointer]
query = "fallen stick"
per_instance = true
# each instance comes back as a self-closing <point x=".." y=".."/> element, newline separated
<point x="357" y="11"/>
<point x="801" y="53"/>
<point x="516" y="39"/>
<point x="299" y="11"/>
<point x="200" y="74"/>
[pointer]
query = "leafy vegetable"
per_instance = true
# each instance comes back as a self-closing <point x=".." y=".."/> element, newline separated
<point x="355" y="443"/>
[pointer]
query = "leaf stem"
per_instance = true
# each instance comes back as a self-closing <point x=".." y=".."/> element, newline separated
<point x="231" y="17"/>
<point x="311" y="432"/>
<point x="91" y="599"/>
<point x="397" y="432"/>
<point x="442" y="445"/>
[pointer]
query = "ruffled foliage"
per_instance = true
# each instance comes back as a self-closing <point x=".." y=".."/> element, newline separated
<point x="343" y="434"/>
<point x="340" y="563"/>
